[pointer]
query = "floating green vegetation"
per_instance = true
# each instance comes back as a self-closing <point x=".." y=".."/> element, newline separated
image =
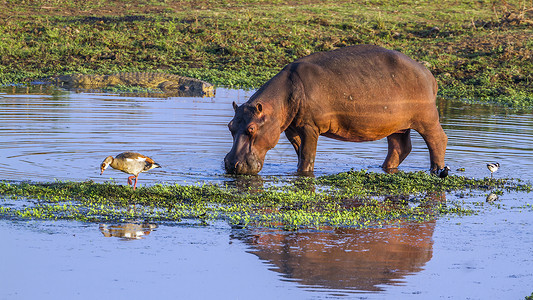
<point x="362" y="183"/>
<point x="352" y="199"/>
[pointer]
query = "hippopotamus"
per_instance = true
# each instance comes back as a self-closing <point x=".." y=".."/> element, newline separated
<point x="356" y="93"/>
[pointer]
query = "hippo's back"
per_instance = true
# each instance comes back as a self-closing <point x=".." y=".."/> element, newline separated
<point x="369" y="73"/>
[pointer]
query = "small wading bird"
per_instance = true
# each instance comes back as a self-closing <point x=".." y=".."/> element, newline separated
<point x="131" y="163"/>
<point x="493" y="168"/>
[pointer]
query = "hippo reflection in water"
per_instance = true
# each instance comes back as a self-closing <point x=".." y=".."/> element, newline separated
<point x="359" y="93"/>
<point x="350" y="258"/>
<point x="346" y="258"/>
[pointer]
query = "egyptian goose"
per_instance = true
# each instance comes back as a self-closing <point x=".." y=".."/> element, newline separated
<point x="493" y="167"/>
<point x="131" y="163"/>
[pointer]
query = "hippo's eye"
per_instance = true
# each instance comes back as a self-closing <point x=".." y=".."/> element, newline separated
<point x="230" y="126"/>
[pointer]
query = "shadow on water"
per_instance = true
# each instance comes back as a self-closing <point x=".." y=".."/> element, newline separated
<point x="249" y="183"/>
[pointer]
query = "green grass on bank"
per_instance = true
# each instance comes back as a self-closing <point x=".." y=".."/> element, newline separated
<point x="478" y="50"/>
<point x="350" y="199"/>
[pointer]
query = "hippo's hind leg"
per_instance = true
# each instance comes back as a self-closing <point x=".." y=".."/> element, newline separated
<point x="436" y="140"/>
<point x="399" y="148"/>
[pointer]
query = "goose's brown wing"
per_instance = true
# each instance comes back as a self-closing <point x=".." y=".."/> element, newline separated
<point x="130" y="155"/>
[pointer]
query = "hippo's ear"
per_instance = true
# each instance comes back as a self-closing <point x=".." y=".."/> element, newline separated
<point x="235" y="106"/>
<point x="259" y="108"/>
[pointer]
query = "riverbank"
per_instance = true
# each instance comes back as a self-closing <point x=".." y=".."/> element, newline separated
<point x="477" y="51"/>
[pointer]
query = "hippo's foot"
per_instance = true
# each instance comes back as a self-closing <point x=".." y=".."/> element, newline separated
<point x="442" y="173"/>
<point x="389" y="170"/>
<point x="305" y="173"/>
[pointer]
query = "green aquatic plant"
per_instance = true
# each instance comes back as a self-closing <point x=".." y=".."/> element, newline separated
<point x="353" y="199"/>
<point x="363" y="183"/>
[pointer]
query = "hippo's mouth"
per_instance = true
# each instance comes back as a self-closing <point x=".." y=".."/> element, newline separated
<point x="251" y="165"/>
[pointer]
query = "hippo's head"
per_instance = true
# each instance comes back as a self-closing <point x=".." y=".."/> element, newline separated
<point x="255" y="130"/>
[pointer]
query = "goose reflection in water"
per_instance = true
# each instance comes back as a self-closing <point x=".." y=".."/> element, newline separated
<point x="347" y="258"/>
<point x="127" y="231"/>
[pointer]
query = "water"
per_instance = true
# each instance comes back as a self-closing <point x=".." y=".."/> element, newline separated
<point x="65" y="136"/>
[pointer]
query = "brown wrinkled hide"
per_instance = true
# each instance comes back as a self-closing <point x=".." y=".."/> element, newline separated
<point x="359" y="93"/>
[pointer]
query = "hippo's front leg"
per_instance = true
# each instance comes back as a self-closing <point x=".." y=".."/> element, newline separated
<point x="307" y="150"/>
<point x="294" y="138"/>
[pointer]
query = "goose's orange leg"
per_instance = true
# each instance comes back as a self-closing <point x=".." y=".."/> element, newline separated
<point x="130" y="182"/>
<point x="135" y="185"/>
